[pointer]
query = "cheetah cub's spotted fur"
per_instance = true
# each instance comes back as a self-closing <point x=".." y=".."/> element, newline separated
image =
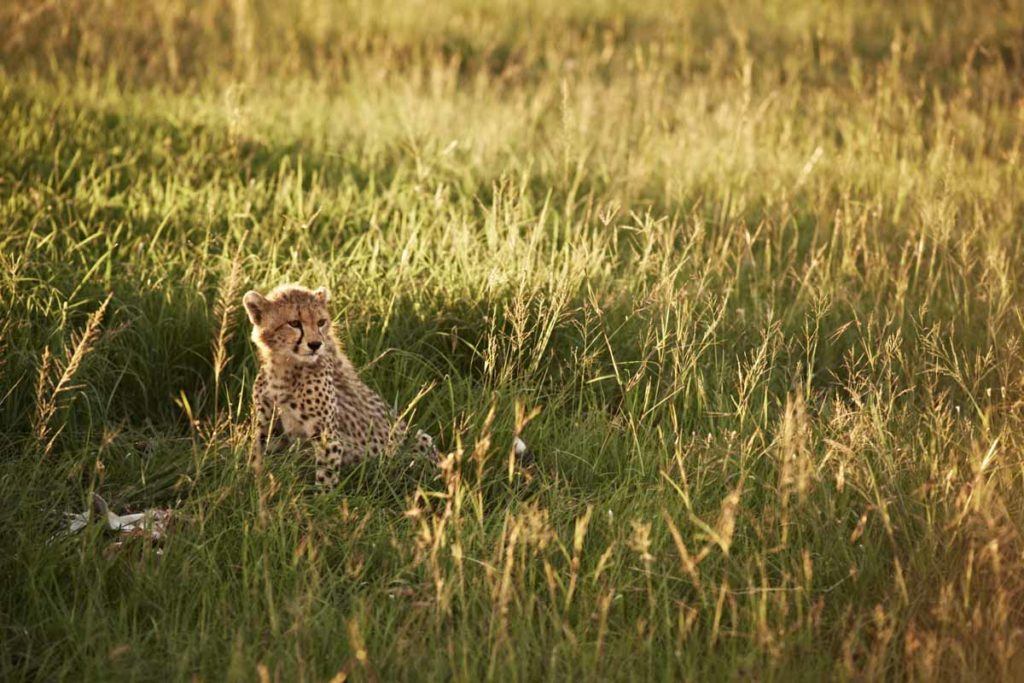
<point x="308" y="389"/>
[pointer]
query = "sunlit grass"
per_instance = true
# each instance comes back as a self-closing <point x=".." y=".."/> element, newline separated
<point x="757" y="266"/>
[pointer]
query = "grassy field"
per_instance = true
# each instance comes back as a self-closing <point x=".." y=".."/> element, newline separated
<point x="758" y="265"/>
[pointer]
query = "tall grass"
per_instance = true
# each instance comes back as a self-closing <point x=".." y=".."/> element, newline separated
<point x="747" y="277"/>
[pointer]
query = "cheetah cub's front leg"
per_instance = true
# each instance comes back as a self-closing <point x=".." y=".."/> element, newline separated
<point x="333" y="448"/>
<point x="333" y="451"/>
<point x="268" y="420"/>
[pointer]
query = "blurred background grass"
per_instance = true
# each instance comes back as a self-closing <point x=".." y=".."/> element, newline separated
<point x="758" y="264"/>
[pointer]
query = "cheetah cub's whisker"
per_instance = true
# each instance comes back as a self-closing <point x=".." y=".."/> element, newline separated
<point x="308" y="389"/>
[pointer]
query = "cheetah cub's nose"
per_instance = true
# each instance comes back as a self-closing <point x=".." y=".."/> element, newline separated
<point x="314" y="345"/>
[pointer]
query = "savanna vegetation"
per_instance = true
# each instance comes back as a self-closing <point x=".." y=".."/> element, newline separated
<point x="747" y="276"/>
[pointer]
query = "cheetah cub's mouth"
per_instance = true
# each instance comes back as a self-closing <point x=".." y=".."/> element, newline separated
<point x="306" y="355"/>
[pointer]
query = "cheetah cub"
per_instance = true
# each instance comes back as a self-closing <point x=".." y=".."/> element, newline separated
<point x="308" y="389"/>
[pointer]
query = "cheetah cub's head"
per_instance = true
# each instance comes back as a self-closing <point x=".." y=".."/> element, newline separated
<point x="291" y="323"/>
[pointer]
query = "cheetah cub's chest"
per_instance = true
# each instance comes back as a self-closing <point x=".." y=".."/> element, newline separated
<point x="303" y="398"/>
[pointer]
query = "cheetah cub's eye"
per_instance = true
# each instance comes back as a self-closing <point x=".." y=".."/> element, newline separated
<point x="295" y="323"/>
<point x="321" y="322"/>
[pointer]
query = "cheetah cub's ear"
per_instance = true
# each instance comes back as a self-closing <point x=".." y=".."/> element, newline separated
<point x="255" y="304"/>
<point x="322" y="295"/>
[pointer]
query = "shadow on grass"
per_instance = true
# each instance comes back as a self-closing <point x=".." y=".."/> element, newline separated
<point x="158" y="368"/>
